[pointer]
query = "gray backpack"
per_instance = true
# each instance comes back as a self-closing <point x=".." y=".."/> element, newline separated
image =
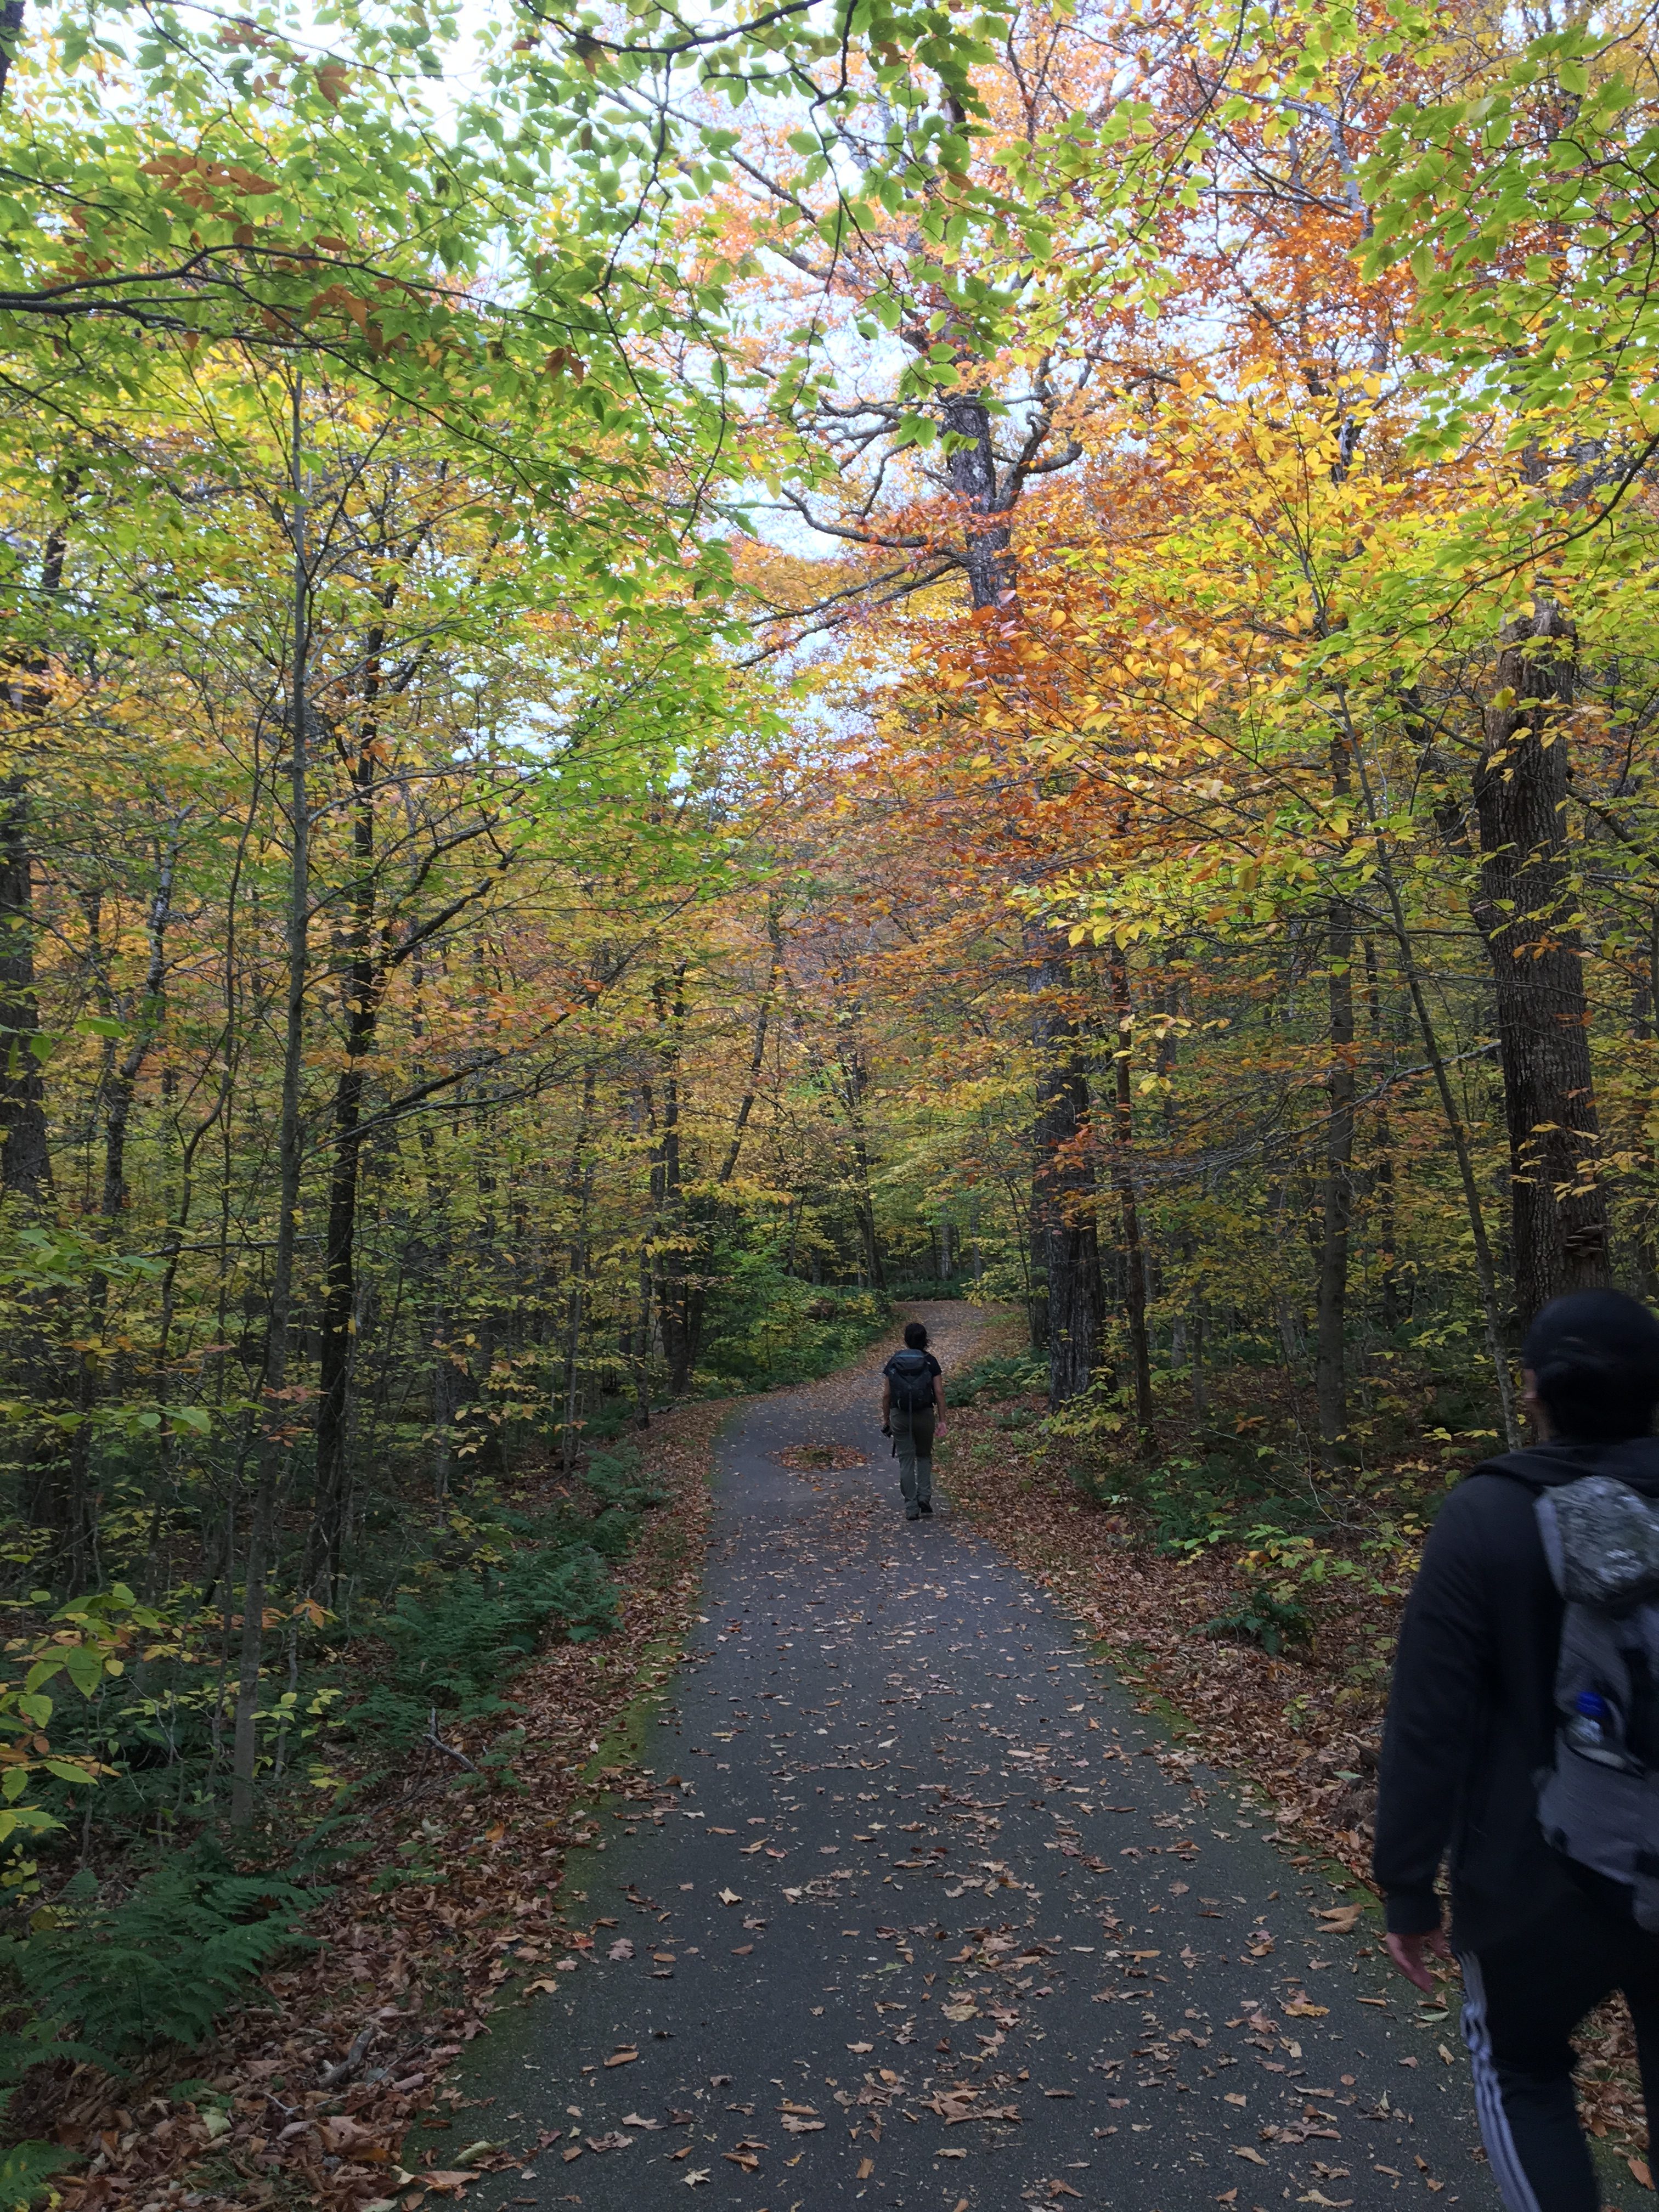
<point x="1599" y="1803"/>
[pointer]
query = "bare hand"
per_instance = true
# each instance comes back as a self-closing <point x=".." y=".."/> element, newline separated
<point x="1410" y="1953"/>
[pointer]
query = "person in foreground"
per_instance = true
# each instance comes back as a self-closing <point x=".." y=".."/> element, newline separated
<point x="913" y="1414"/>
<point x="1523" y="1737"/>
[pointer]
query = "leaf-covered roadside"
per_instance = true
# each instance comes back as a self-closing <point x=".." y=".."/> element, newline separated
<point x="1304" y="1723"/>
<point x="313" y="2089"/>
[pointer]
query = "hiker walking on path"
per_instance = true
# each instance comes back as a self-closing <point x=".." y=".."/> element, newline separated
<point x="1523" y="1732"/>
<point x="913" y="1414"/>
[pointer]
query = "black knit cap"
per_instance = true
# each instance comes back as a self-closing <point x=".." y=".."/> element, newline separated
<point x="1595" y="1357"/>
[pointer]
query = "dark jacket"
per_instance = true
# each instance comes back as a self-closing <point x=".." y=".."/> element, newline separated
<point x="1472" y="1710"/>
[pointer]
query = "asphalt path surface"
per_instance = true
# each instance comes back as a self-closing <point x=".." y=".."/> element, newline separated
<point x="920" y="1910"/>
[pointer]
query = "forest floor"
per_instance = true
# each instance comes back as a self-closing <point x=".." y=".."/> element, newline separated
<point x="309" y="2090"/>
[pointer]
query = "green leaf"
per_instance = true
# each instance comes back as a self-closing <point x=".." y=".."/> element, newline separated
<point x="84" y="1666"/>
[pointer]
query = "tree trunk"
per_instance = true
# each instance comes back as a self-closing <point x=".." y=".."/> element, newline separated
<point x="678" y="1317"/>
<point x="1558" y="1208"/>
<point x="1065" y="1233"/>
<point x="11" y="32"/>
<point x="993" y="570"/>
<point x="273" y="1444"/>
<point x="364" y="982"/>
<point x="77" y="1519"/>
<point x="25" y="1161"/>
<point x="1406" y="953"/>
<point x="578" y="1193"/>
<point x="1330" y="1357"/>
<point x="1390" y="1300"/>
<point x="875" y="1271"/>
<point x="1134" y="1258"/>
<point x="25" y="1164"/>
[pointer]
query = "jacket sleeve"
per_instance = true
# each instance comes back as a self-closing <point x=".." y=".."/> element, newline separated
<point x="1441" y="1672"/>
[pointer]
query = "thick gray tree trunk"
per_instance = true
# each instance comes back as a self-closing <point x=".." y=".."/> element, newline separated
<point x="1524" y="909"/>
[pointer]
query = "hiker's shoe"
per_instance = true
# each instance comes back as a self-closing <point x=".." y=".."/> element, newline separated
<point x="924" y="1505"/>
<point x="913" y="1512"/>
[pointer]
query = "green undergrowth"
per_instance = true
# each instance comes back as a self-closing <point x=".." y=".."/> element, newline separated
<point x="997" y="1379"/>
<point x="134" y="1920"/>
<point x="765" y="1328"/>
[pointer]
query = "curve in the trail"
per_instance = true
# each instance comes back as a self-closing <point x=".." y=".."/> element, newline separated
<point x="922" y="1912"/>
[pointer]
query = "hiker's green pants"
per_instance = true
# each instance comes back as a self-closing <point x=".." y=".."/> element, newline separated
<point x="913" y="1441"/>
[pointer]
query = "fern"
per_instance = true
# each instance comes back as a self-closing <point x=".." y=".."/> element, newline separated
<point x="164" y="1963"/>
<point x="25" y="2170"/>
<point x="455" y="1647"/>
<point x="1271" y="1622"/>
<point x="1017" y="1378"/>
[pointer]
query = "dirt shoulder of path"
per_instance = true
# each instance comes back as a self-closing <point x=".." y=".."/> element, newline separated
<point x="1300" y="1733"/>
<point x="308" y="2094"/>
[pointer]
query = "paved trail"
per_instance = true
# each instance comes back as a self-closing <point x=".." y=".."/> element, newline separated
<point x="921" y="1921"/>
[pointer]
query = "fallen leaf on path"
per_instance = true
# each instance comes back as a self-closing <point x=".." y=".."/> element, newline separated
<point x="697" y="2173"/>
<point x="1339" y="1919"/>
<point x="795" y="2125"/>
<point x="634" y="2120"/>
<point x="1640" y="2172"/>
<point x="867" y="2167"/>
<point x="954" y="2105"/>
<point x="622" y="1948"/>
<point x="745" y="2159"/>
<point x="860" y="2046"/>
<point x="730" y="1897"/>
<point x="1243" y="2150"/>
<point x="1302" y="2009"/>
<point x="621" y="2058"/>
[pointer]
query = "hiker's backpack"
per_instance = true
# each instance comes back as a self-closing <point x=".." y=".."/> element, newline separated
<point x="1599" y="1803"/>
<point x="911" y="1377"/>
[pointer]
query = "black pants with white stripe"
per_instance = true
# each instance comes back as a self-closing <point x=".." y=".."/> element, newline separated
<point x="1522" y="2003"/>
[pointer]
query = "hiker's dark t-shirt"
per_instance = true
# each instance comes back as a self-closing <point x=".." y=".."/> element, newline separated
<point x="927" y="1412"/>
